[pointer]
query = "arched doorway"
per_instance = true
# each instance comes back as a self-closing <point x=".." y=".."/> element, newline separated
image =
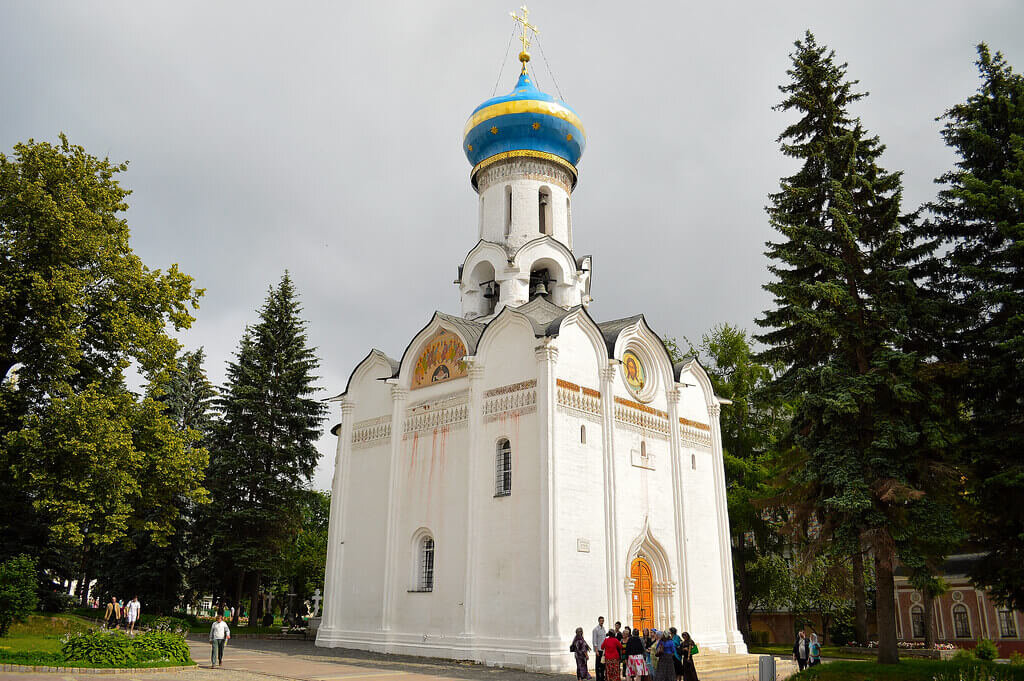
<point x="643" y="594"/>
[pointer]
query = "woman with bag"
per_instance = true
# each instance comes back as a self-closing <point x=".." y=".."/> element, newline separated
<point x="688" y="648"/>
<point x="664" y="653"/>
<point x="580" y="648"/>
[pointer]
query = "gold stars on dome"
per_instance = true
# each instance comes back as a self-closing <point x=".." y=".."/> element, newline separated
<point x="568" y="138"/>
<point x="524" y="56"/>
<point x="494" y="130"/>
<point x="536" y="126"/>
<point x="470" y="147"/>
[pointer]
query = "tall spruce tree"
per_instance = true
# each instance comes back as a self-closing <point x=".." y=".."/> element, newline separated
<point x="263" y="451"/>
<point x="978" y="218"/>
<point x="861" y="442"/>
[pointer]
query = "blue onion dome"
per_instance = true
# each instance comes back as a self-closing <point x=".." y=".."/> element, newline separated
<point x="525" y="122"/>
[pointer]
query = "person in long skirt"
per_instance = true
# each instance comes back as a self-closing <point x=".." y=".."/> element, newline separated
<point x="686" y="648"/>
<point x="635" y="665"/>
<point x="612" y="650"/>
<point x="664" y="652"/>
<point x="580" y="648"/>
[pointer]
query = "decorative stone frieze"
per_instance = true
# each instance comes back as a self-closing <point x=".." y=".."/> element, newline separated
<point x="641" y="417"/>
<point x="448" y="411"/>
<point x="371" y="432"/>
<point x="517" y="399"/>
<point x="524" y="168"/>
<point x="574" y="398"/>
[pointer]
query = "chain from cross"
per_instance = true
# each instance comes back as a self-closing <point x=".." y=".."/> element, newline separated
<point x="524" y="56"/>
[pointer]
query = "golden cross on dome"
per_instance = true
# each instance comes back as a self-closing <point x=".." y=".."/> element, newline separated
<point x="524" y="56"/>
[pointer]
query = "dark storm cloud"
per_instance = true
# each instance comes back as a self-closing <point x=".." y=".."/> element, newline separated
<point x="324" y="138"/>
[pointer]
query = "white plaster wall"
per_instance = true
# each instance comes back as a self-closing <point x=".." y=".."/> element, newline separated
<point x="507" y="562"/>
<point x="525" y="212"/>
<point x="581" y="594"/>
<point x="703" y="552"/>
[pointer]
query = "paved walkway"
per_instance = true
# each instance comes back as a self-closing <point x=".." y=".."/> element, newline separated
<point x="264" y="660"/>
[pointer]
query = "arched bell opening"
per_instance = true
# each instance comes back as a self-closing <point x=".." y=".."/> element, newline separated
<point x="480" y="291"/>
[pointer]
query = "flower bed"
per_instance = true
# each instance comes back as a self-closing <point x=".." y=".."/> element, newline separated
<point x="108" y="649"/>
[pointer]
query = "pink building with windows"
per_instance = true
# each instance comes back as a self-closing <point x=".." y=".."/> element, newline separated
<point x="962" y="616"/>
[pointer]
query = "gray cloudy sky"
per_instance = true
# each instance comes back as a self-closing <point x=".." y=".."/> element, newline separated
<point x="325" y="138"/>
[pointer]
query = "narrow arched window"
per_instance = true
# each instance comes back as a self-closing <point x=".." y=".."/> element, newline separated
<point x="693" y="461"/>
<point x="568" y="215"/>
<point x="544" y="210"/>
<point x="643" y="449"/>
<point x="503" y="469"/>
<point x="426" y="564"/>
<point x="508" y="210"/>
<point x="583" y="435"/>
<point x="961" y="623"/>
<point x="917" y="621"/>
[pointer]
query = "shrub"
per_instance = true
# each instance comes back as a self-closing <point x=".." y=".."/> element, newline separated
<point x="99" y="647"/>
<point x="55" y="601"/>
<point x="963" y="655"/>
<point x="759" y="638"/>
<point x="188" y="617"/>
<point x="17" y="591"/>
<point x="986" y="650"/>
<point x="161" y="645"/>
<point x="1017" y="660"/>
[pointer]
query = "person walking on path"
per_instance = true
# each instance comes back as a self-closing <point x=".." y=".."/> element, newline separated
<point x="688" y="648"/>
<point x="580" y="648"/>
<point x="219" y="635"/>
<point x="815" y="651"/>
<point x="635" y="665"/>
<point x="133" y="613"/>
<point x="664" y="653"/>
<point x="612" y="650"/>
<point x="597" y="638"/>
<point x="801" y="651"/>
<point x="112" y="613"/>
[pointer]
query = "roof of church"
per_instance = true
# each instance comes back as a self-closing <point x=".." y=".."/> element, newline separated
<point x="469" y="330"/>
<point x="611" y="330"/>
<point x="544" y="315"/>
<point x="524" y="120"/>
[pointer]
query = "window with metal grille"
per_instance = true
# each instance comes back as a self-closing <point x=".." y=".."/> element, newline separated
<point x="1007" y="626"/>
<point x="426" y="580"/>
<point x="503" y="469"/>
<point x="961" y="624"/>
<point x="917" y="621"/>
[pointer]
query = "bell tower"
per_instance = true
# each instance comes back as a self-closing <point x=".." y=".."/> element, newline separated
<point x="524" y="147"/>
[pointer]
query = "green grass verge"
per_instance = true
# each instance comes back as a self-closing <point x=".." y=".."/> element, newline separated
<point x="910" y="670"/>
<point x="784" y="650"/>
<point x="37" y="642"/>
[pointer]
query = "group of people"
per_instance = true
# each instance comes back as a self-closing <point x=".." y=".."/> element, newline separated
<point x="806" y="651"/>
<point x="648" y="655"/>
<point x="118" y="614"/>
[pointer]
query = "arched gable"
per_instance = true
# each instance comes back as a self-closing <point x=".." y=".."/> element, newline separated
<point x="549" y="249"/>
<point x="509" y="317"/>
<point x="375" y="365"/>
<point x="485" y="251"/>
<point x="579" y="319"/>
<point x="700" y="375"/>
<point x="639" y="334"/>
<point x="438" y="325"/>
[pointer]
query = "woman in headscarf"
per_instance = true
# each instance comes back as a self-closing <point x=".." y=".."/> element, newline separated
<point x="814" y="651"/>
<point x="580" y="648"/>
<point x="635" y="666"/>
<point x="665" y="652"/>
<point x="686" y="648"/>
<point x="612" y="650"/>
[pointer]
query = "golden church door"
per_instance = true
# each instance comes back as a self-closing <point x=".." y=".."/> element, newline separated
<point x="643" y="595"/>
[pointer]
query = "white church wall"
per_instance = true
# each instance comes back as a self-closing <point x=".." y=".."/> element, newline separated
<point x="525" y="225"/>
<point x="703" y="552"/>
<point x="507" y="561"/>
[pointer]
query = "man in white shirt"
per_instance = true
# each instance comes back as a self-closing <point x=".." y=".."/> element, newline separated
<point x="597" y="638"/>
<point x="133" y="614"/>
<point x="219" y="635"/>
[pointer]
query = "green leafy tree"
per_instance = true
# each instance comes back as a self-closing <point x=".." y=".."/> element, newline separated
<point x="77" y="309"/>
<point x="751" y="426"/>
<point x="139" y="564"/>
<point x="306" y="558"/>
<point x="865" y="433"/>
<point x="17" y="591"/>
<point x="978" y="220"/>
<point x="263" y="452"/>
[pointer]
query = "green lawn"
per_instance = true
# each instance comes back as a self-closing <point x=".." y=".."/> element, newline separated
<point x="910" y="670"/>
<point x="42" y="633"/>
<point x="786" y="650"/>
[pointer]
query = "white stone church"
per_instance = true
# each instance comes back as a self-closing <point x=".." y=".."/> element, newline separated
<point x="523" y="468"/>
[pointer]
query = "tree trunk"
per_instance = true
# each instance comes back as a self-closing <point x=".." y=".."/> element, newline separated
<point x="860" y="600"/>
<point x="238" y="597"/>
<point x="254" y="610"/>
<point x="929" y="626"/>
<point x="885" y="599"/>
